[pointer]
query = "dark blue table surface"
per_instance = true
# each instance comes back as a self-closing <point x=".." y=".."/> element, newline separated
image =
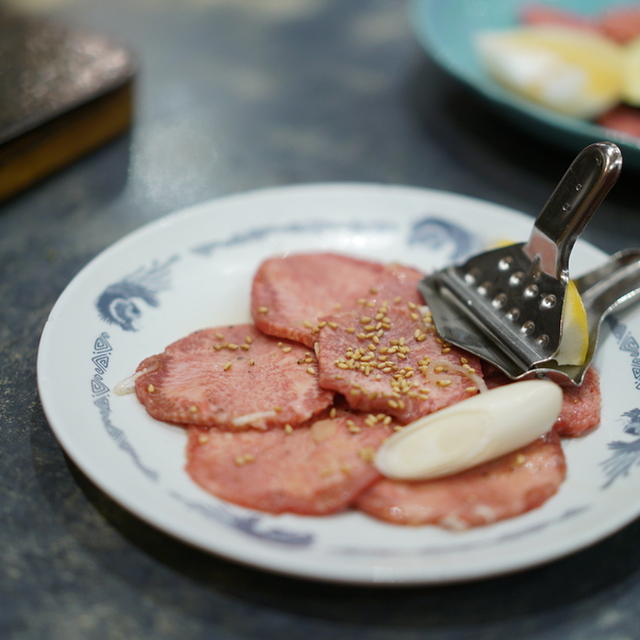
<point x="234" y="95"/>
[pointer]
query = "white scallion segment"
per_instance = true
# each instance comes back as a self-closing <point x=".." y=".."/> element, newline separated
<point x="476" y="430"/>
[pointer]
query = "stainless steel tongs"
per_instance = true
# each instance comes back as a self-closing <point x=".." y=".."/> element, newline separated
<point x="506" y="305"/>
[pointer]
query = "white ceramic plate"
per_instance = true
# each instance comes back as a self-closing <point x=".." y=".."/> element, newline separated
<point x="193" y="269"/>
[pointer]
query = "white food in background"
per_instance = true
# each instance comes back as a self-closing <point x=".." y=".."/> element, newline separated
<point x="471" y="432"/>
<point x="580" y="74"/>
<point x="631" y="94"/>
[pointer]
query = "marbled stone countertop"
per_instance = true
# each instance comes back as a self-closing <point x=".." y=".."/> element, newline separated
<point x="234" y="95"/>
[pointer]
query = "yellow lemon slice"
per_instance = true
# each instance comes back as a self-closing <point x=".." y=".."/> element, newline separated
<point x="631" y="91"/>
<point x="577" y="73"/>
<point x="575" y="330"/>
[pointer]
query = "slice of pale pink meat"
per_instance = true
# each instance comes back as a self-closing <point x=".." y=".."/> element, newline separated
<point x="537" y="14"/>
<point x="622" y="117"/>
<point x="581" y="406"/>
<point x="289" y="294"/>
<point x="503" y="488"/>
<point x="390" y="359"/>
<point x="316" y="469"/>
<point x="232" y="377"/>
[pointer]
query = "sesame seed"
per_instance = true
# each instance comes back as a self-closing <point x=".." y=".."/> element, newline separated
<point x="367" y="454"/>
<point x="239" y="460"/>
<point x="307" y="324"/>
<point x="193" y="409"/>
<point x="245" y="347"/>
<point x="333" y="325"/>
<point x="151" y="388"/>
<point x="520" y="460"/>
<point x="365" y="320"/>
<point x="227" y="366"/>
<point x="471" y="389"/>
<point x="263" y="310"/>
<point x="202" y="439"/>
<point x="332" y="413"/>
<point x="443" y="383"/>
<point x="286" y="349"/>
<point x="311" y="370"/>
<point x="277" y="408"/>
<point x="219" y="336"/>
<point x="354" y="428"/>
<point x="252" y="362"/>
<point x="288" y="429"/>
<point x="350" y="330"/>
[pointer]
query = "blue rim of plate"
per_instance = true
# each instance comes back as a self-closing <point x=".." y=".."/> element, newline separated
<point x="432" y="22"/>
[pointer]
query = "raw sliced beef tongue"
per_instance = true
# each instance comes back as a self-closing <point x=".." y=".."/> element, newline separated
<point x="289" y="294"/>
<point x="581" y="406"/>
<point x="503" y="488"/>
<point x="316" y="469"/>
<point x="232" y="377"/>
<point x="390" y="359"/>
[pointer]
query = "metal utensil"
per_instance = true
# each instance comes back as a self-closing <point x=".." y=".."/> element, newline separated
<point x="506" y="305"/>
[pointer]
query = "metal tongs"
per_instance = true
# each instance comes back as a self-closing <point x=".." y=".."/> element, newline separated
<point x="506" y="305"/>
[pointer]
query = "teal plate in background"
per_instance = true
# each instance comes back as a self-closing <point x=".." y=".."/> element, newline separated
<point x="447" y="29"/>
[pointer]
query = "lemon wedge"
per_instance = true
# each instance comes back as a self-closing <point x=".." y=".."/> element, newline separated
<point x="631" y="91"/>
<point x="577" y="73"/>
<point x="575" y="330"/>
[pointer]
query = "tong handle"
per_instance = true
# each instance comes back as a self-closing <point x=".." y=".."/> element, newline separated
<point x="571" y="205"/>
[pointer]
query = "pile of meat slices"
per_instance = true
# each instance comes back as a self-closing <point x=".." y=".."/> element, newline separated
<point x="286" y="414"/>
